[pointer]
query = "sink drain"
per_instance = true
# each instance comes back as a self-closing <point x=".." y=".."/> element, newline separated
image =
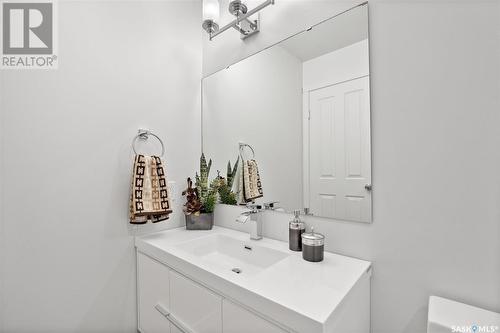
<point x="236" y="270"/>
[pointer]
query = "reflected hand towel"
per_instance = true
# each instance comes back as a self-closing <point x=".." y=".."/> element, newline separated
<point x="252" y="186"/>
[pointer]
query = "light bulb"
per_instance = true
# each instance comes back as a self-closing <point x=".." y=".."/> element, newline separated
<point x="211" y="10"/>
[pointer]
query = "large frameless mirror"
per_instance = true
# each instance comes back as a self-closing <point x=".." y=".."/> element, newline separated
<point x="301" y="110"/>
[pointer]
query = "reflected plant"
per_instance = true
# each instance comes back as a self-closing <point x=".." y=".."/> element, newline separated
<point x="231" y="172"/>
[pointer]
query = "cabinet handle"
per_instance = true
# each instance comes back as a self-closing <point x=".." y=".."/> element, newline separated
<point x="161" y="309"/>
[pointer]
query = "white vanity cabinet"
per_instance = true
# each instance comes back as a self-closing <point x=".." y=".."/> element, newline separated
<point x="171" y="302"/>
<point x="239" y="320"/>
<point x="220" y="281"/>
<point x="196" y="307"/>
<point x="153" y="292"/>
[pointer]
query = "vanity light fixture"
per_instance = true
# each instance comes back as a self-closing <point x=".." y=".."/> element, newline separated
<point x="241" y="23"/>
<point x="210" y="16"/>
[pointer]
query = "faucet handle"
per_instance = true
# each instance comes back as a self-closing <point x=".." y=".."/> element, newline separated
<point x="254" y="207"/>
<point x="243" y="218"/>
<point x="270" y="205"/>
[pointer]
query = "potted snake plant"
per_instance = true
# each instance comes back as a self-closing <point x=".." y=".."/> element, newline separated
<point x="202" y="198"/>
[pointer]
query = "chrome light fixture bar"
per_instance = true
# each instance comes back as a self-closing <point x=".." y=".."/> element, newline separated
<point x="241" y="23"/>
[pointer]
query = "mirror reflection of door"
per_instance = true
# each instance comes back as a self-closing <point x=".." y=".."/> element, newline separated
<point x="339" y="151"/>
<point x="339" y="159"/>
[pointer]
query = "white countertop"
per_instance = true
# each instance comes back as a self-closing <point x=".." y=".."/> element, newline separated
<point x="301" y="295"/>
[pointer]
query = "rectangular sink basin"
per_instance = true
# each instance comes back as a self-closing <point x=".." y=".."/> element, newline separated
<point x="230" y="254"/>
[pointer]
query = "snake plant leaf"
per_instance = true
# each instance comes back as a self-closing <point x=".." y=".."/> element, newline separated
<point x="231" y="172"/>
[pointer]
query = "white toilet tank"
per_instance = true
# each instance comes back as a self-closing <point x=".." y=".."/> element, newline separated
<point x="446" y="316"/>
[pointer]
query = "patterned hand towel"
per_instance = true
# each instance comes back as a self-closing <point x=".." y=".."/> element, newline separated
<point x="149" y="198"/>
<point x="252" y="186"/>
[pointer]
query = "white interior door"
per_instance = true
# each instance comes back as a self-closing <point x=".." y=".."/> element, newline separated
<point x="339" y="151"/>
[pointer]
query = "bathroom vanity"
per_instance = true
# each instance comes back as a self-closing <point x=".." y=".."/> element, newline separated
<point x="304" y="118"/>
<point x="221" y="281"/>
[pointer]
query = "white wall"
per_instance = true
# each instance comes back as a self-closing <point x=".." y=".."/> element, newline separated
<point x="69" y="257"/>
<point x="435" y="77"/>
<point x="347" y="63"/>
<point x="248" y="102"/>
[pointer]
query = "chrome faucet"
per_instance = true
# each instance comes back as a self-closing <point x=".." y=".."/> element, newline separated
<point x="270" y="205"/>
<point x="255" y="224"/>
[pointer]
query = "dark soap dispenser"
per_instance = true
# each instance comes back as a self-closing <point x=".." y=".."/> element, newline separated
<point x="295" y="230"/>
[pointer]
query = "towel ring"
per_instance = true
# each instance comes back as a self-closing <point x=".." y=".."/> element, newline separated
<point x="242" y="147"/>
<point x="144" y="136"/>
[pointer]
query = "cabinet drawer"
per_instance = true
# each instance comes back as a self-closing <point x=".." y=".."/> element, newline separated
<point x="197" y="308"/>
<point x="152" y="290"/>
<point x="239" y="320"/>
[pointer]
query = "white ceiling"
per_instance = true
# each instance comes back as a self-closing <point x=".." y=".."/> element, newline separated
<point x="331" y="35"/>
